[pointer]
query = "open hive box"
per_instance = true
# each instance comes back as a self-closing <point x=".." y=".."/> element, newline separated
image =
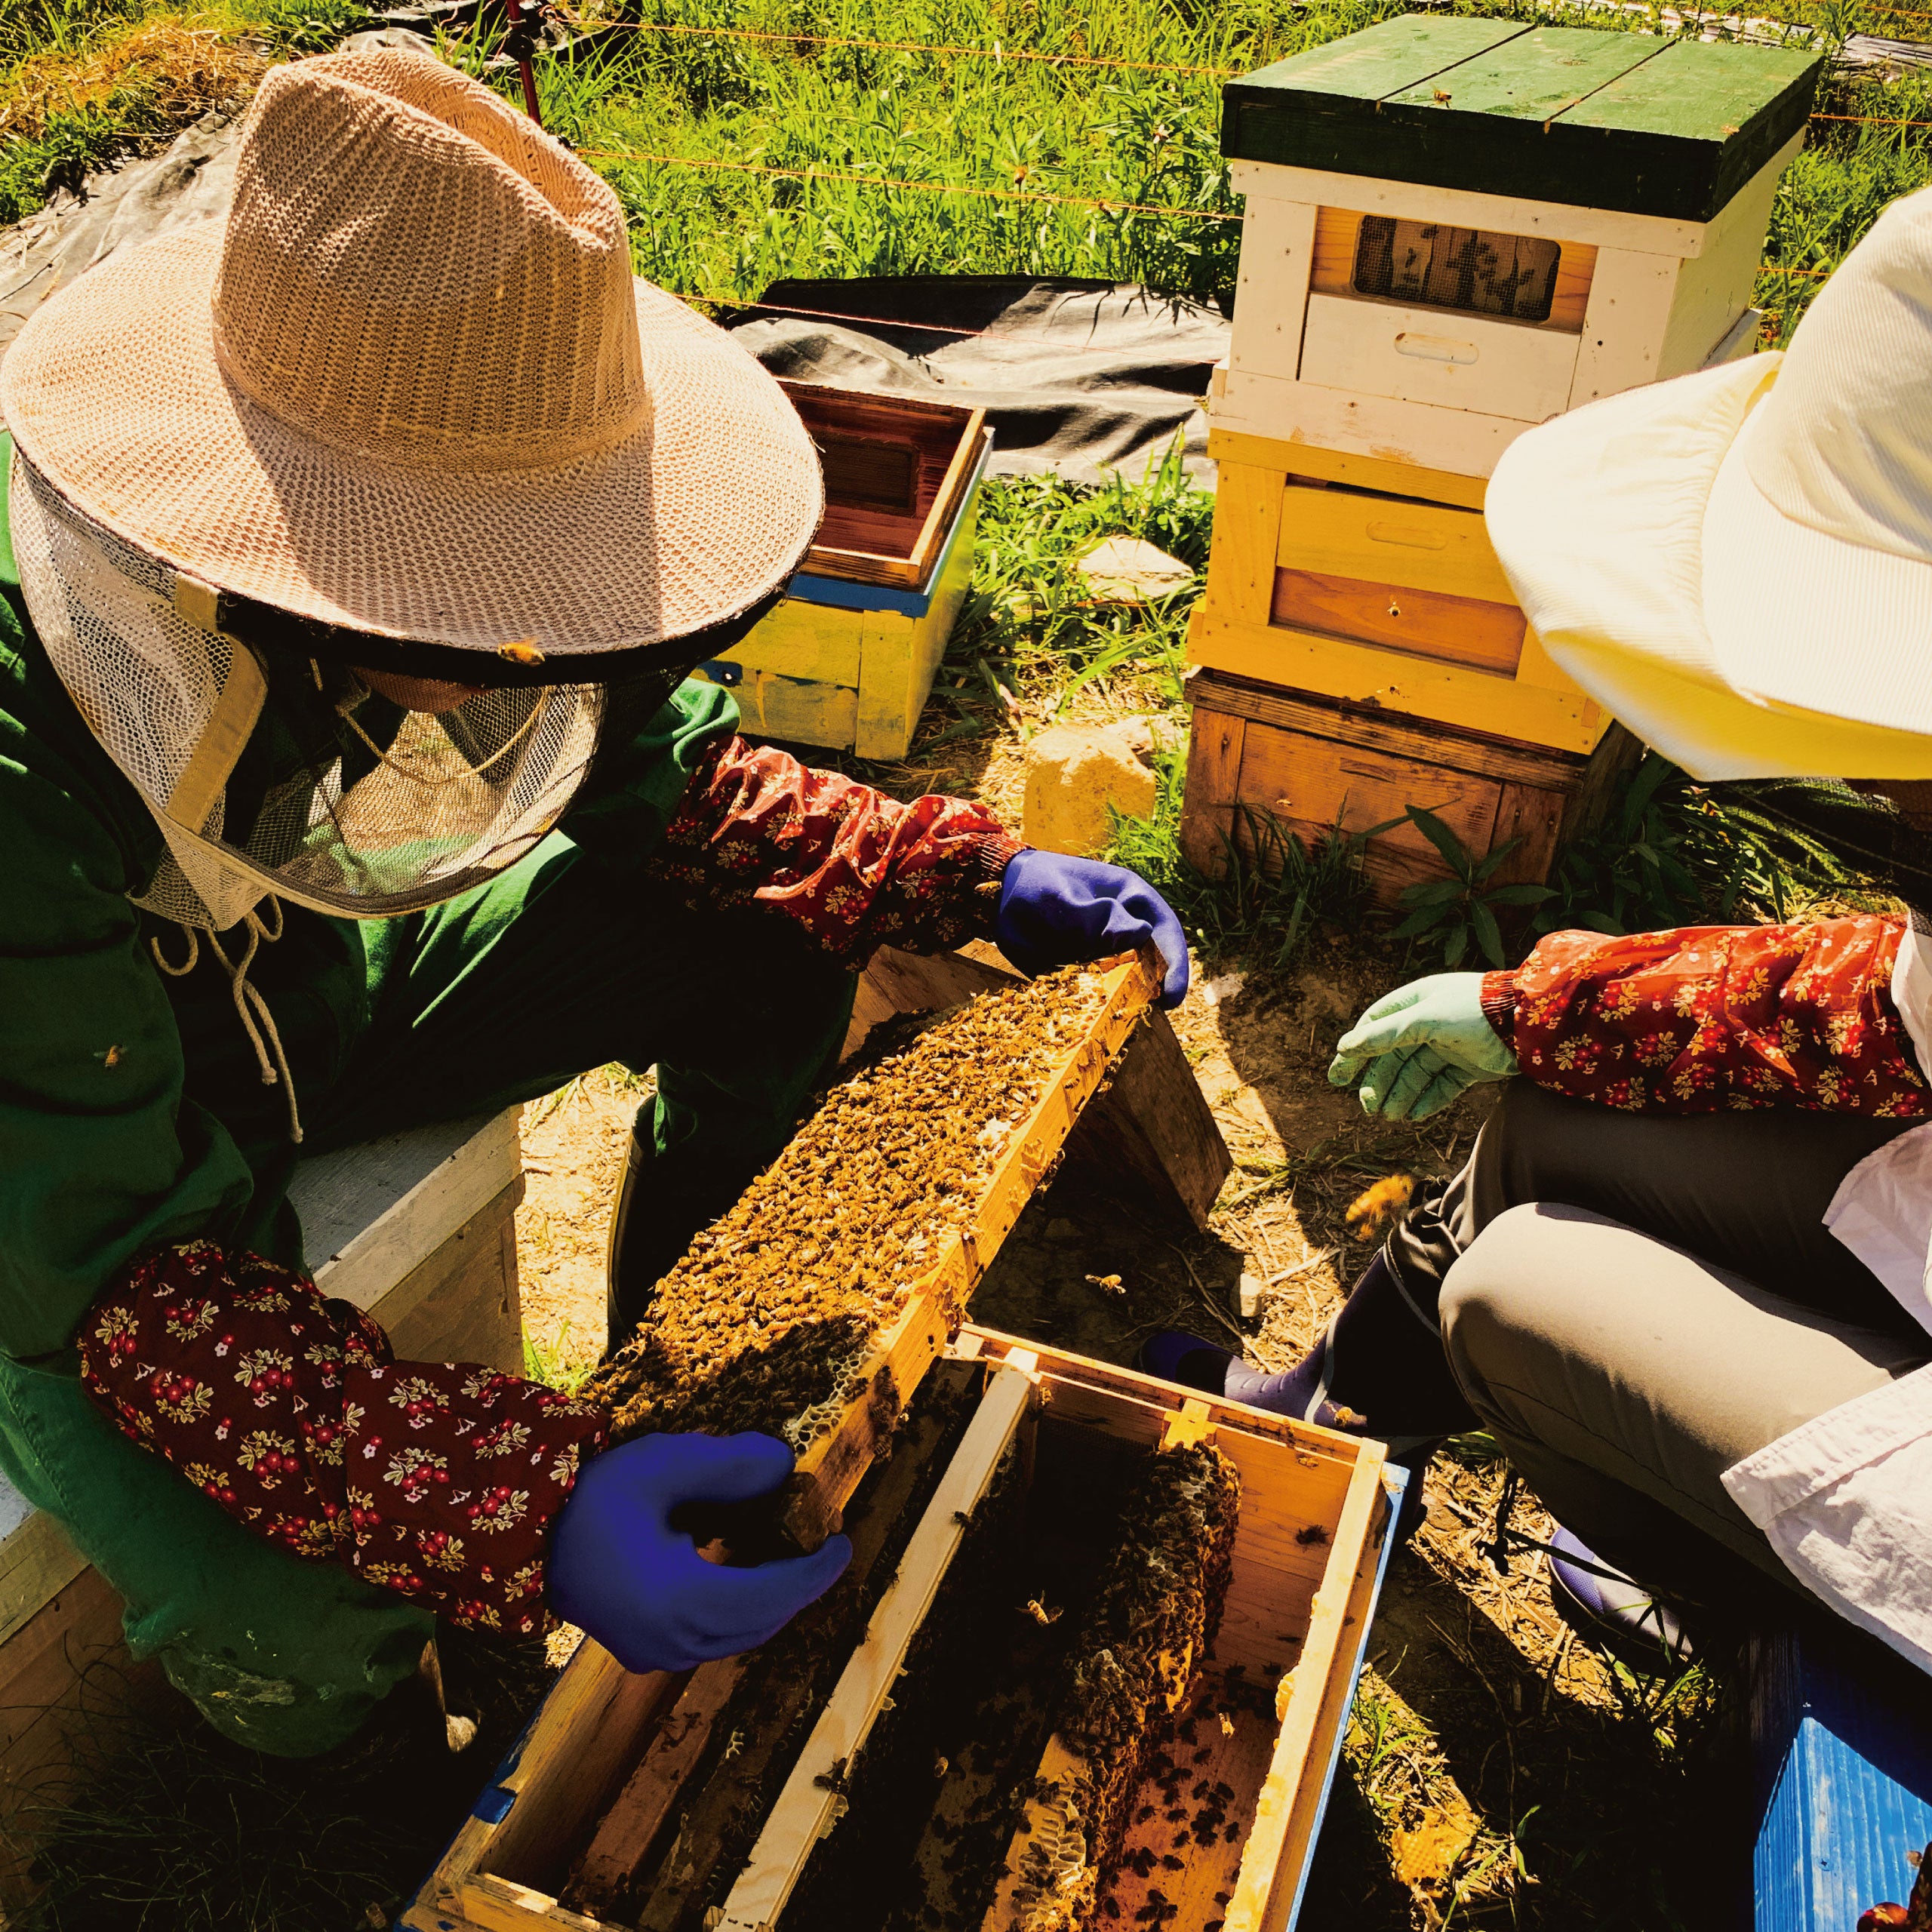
<point x="987" y="1722"/>
<point x="890" y="1761"/>
<point x="848" y="659"/>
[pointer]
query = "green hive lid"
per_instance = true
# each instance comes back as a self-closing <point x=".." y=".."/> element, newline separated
<point x="1625" y="120"/>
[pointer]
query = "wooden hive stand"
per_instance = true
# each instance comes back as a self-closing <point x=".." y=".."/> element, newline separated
<point x="418" y="1229"/>
<point x="1455" y="229"/>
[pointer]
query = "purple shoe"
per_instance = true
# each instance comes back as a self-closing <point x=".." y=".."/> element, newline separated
<point x="1613" y="1611"/>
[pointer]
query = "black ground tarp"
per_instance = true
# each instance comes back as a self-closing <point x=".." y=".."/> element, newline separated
<point x="1078" y="378"/>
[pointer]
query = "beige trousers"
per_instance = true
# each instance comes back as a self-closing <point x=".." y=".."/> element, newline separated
<point x="1632" y="1303"/>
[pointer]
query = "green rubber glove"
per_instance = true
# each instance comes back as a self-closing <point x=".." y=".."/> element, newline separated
<point x="1422" y="1044"/>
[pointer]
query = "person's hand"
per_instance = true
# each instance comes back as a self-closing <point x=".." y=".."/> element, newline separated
<point x="618" y="1571"/>
<point x="1422" y="1044"/>
<point x="1055" y="911"/>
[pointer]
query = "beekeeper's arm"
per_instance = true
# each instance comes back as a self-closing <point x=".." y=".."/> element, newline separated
<point x="1689" y="1021"/>
<point x="859" y="870"/>
<point x="449" y="1484"/>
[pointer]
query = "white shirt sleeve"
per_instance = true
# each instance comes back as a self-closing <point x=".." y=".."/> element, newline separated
<point x="1846" y="1501"/>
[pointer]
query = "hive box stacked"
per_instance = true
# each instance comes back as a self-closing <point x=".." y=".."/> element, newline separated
<point x="1455" y="229"/>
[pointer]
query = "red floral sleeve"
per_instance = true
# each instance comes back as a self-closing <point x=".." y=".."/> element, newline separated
<point x="1715" y="1016"/>
<point x="857" y="869"/>
<point x="437" y="1480"/>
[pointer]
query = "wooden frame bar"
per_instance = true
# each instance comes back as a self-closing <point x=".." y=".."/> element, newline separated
<point x="810" y="1801"/>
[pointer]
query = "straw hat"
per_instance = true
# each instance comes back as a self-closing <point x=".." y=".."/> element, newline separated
<point x="410" y="387"/>
<point x="1739" y="563"/>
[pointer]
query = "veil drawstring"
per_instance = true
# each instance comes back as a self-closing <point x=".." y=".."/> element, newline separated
<point x="246" y="996"/>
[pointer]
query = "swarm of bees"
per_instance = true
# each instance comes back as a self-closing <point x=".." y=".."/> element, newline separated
<point x="765" y="1323"/>
<point x="1138" y="1650"/>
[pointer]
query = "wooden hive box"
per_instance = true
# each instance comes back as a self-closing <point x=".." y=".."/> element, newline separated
<point x="847" y="660"/>
<point x="417" y="1228"/>
<point x="596" y="1793"/>
<point x="1455" y="228"/>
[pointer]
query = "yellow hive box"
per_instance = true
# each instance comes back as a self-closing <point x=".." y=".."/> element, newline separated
<point x="847" y="660"/>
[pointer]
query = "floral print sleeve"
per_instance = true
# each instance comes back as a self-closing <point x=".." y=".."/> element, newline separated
<point x="857" y="869"/>
<point x="1709" y="1017"/>
<point x="437" y="1480"/>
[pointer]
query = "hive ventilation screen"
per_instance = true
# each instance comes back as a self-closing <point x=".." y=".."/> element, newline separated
<point x="1468" y="269"/>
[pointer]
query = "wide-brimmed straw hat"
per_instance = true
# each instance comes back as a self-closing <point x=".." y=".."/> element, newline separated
<point x="410" y="387"/>
<point x="1738" y="563"/>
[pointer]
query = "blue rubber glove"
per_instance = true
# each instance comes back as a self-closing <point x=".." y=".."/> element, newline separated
<point x="618" y="1571"/>
<point x="1424" y="1044"/>
<point x="1055" y="911"/>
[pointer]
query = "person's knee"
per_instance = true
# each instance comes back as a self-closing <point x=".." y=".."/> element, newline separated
<point x="1506" y="1303"/>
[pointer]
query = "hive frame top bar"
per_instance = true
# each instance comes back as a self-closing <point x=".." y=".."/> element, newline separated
<point x="1630" y="122"/>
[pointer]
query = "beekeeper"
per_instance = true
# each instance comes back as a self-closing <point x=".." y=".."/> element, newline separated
<point x="1683" y="1278"/>
<point x="360" y="546"/>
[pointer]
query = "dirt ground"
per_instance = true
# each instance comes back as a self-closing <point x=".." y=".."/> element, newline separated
<point x="1496" y="1772"/>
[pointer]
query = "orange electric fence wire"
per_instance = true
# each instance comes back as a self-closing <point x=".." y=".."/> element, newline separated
<point x="917" y="46"/>
<point x="915" y="187"/>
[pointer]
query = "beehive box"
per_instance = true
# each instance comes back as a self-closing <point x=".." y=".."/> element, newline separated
<point x="1455" y="228"/>
<point x="614" y="1791"/>
<point x="847" y="660"/>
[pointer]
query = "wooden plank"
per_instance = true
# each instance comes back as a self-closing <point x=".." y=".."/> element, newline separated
<point x="1534" y="814"/>
<point x="1342" y="532"/>
<point x="951" y="494"/>
<point x="1482" y="363"/>
<point x="1313" y="1704"/>
<point x="371" y="1213"/>
<point x="1307" y="460"/>
<point x="830" y="1468"/>
<point x="1214" y="743"/>
<point x="1064" y="1371"/>
<point x="1713" y="292"/>
<point x="861" y="541"/>
<point x="1421" y="436"/>
<point x="591" y="1725"/>
<point x="1271" y="287"/>
<point x="1533" y="77"/>
<point x="1569" y="302"/>
<point x="462" y="1303"/>
<point x="1631" y="296"/>
<point x="1382" y="191"/>
<point x="1720" y="111"/>
<point x="801" y="640"/>
<point x="1412" y="688"/>
<point x="809" y="1801"/>
<point x="1457" y="630"/>
<point x="797" y="712"/>
<point x="1309" y="783"/>
<point x="900" y="655"/>
<point x="1515" y="116"/>
<point x="1512" y="763"/>
<point x="628" y="1830"/>
<point x="37" y="1561"/>
<point x="1248" y="532"/>
<point x="1150" y="1129"/>
<point x="1366" y="67"/>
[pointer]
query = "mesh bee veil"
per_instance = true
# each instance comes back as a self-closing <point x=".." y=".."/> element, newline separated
<point x="279" y="775"/>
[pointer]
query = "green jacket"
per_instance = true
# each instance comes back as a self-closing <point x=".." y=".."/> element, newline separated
<point x="112" y="1078"/>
